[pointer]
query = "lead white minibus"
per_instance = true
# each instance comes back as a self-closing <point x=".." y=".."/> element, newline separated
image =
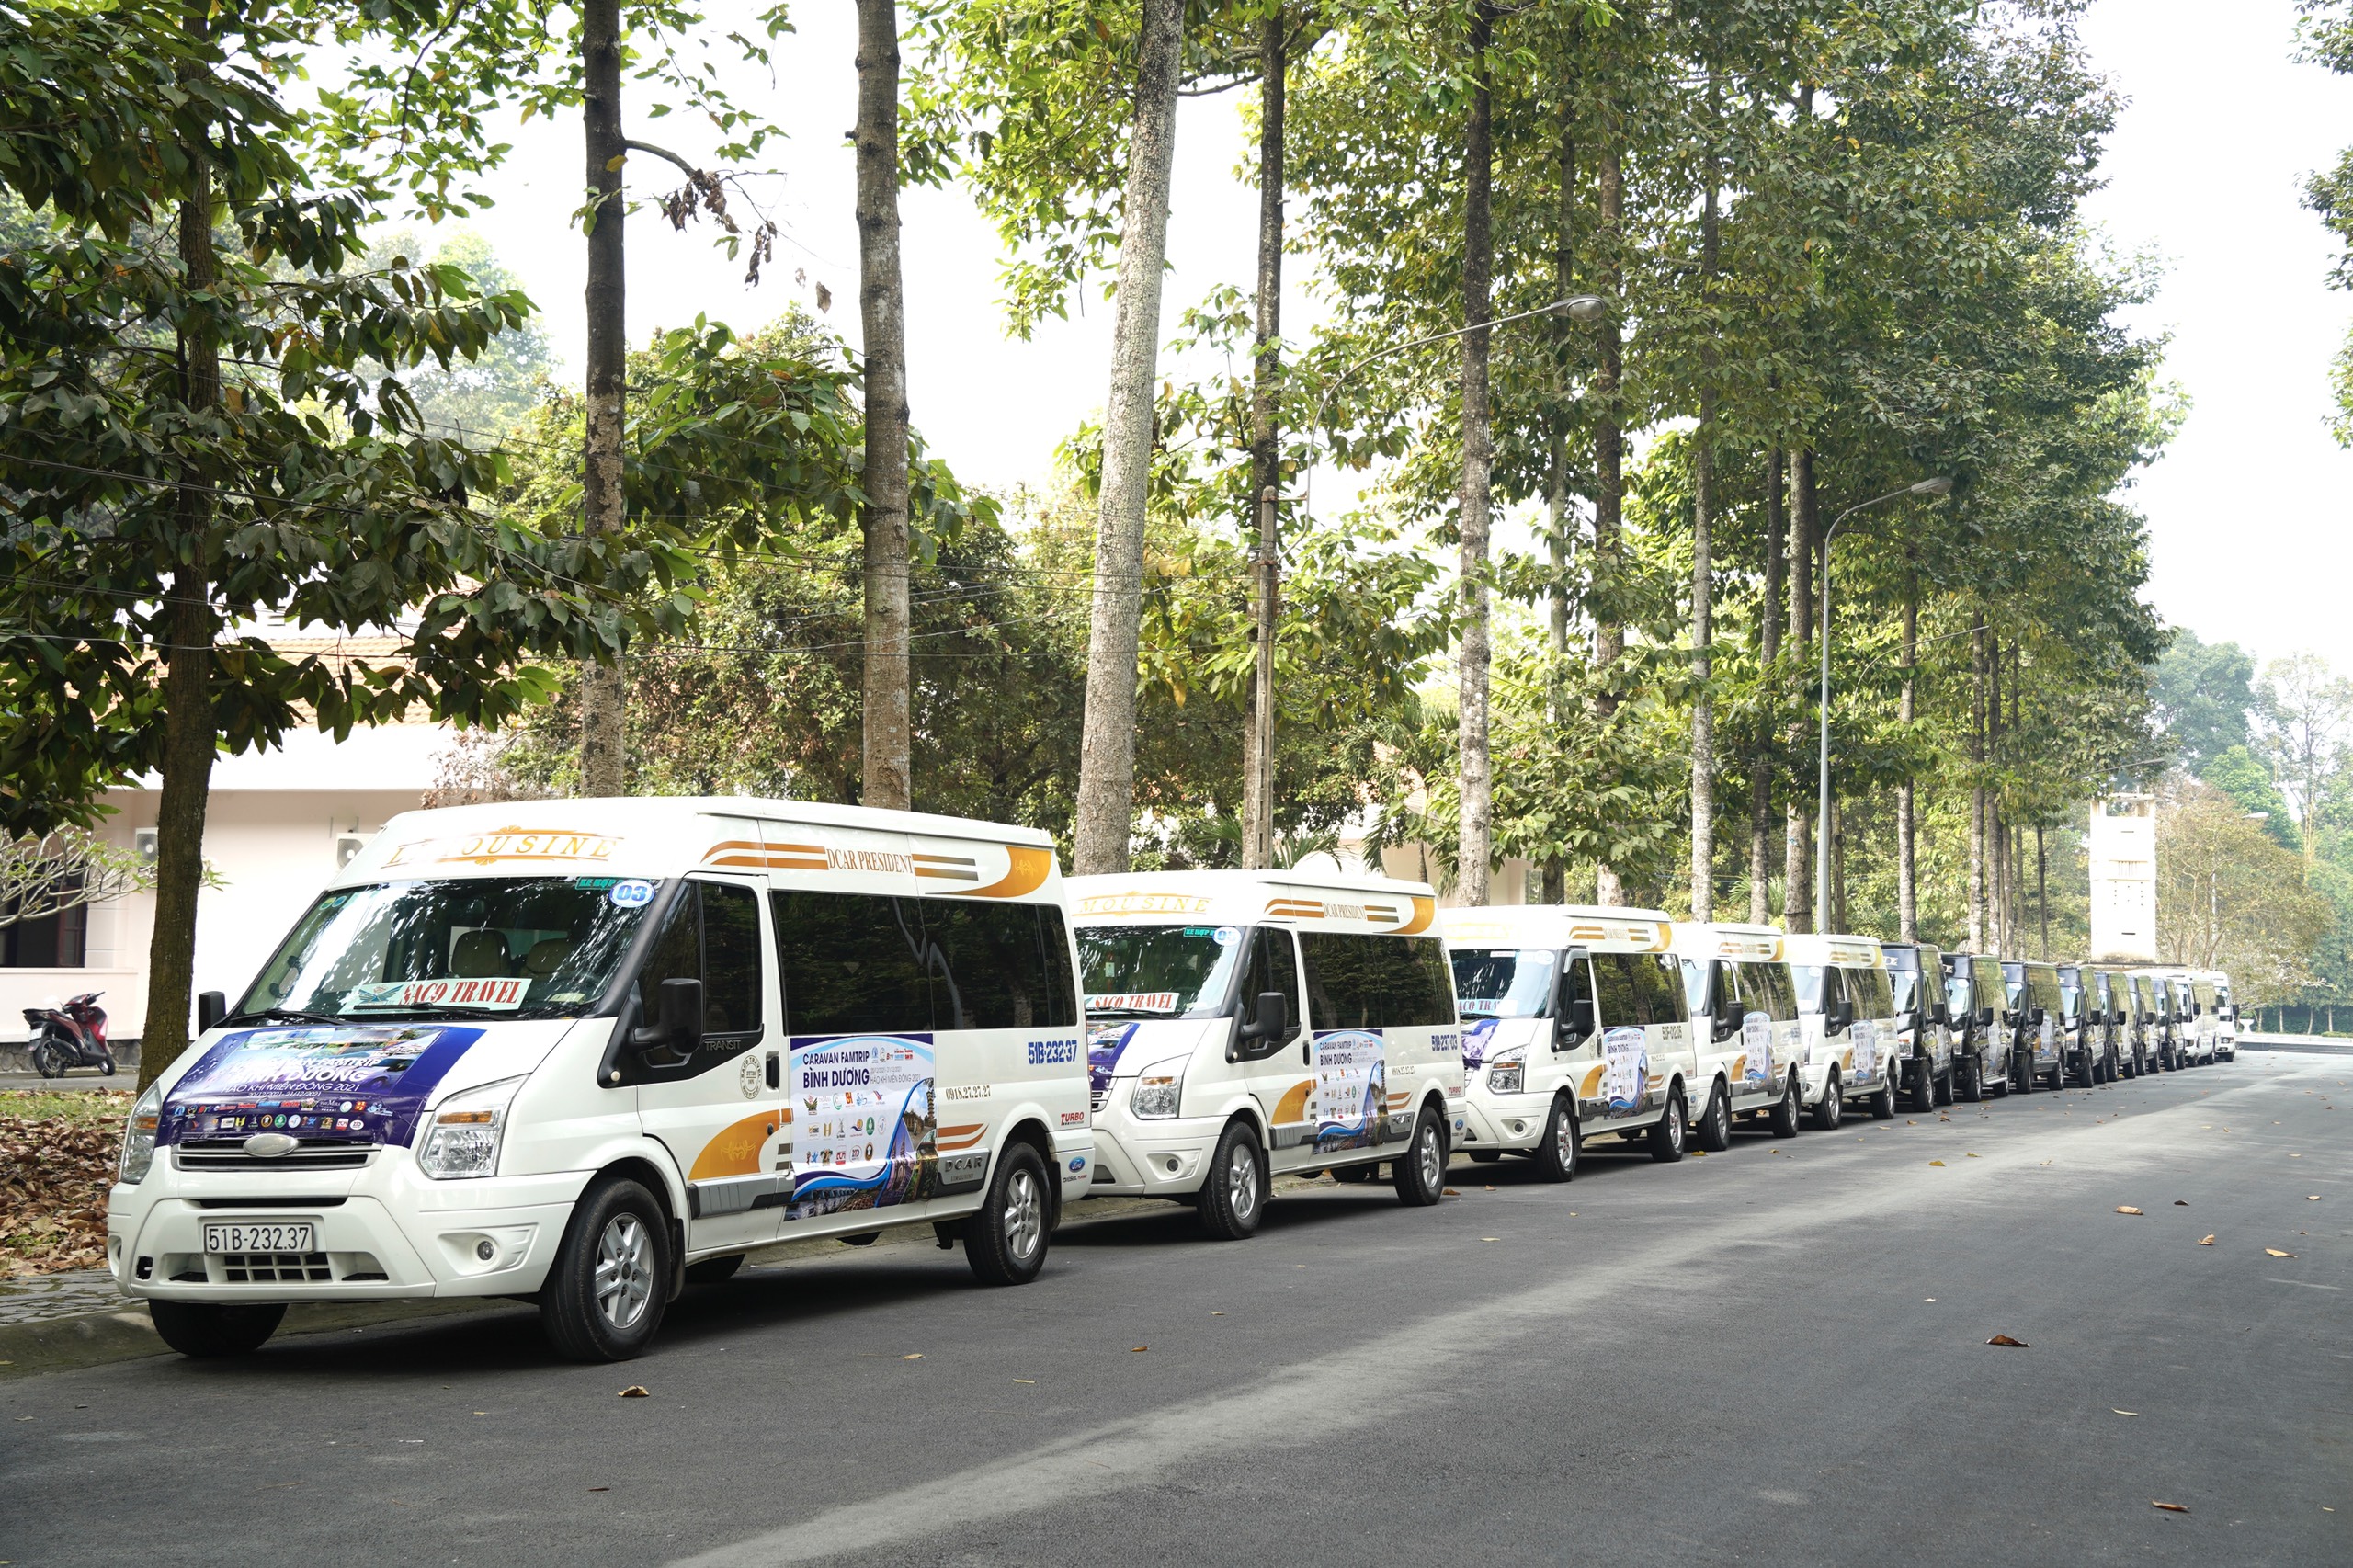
<point x="1574" y="1025"/>
<point x="1243" y="1024"/>
<point x="585" y="1052"/>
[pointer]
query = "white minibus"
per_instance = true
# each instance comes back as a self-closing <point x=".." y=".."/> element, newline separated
<point x="1243" y="1024"/>
<point x="2226" y="1014"/>
<point x="1850" y="1024"/>
<point x="1608" y="1049"/>
<point x="585" y="1052"/>
<point x="1746" y="1024"/>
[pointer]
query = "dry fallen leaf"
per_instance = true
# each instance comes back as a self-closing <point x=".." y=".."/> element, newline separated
<point x="2311" y="1198"/>
<point x="1025" y="1380"/>
<point x="916" y="1356"/>
<point x="2168" y="1507"/>
<point x="2275" y="1252"/>
<point x="2005" y="1339"/>
<point x="2207" y="1242"/>
<point x="2181" y="1203"/>
<point x="1491" y="1238"/>
<point x="600" y="1489"/>
<point x="1138" y="1351"/>
<point x="1449" y="1192"/>
<point x="1936" y="1162"/>
<point x="2126" y="1209"/>
<point x="1976" y="1156"/>
<point x="1216" y="1314"/>
<point x="2124" y="1411"/>
<point x="635" y="1390"/>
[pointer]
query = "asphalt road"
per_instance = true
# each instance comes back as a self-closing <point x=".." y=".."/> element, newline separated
<point x="1774" y="1355"/>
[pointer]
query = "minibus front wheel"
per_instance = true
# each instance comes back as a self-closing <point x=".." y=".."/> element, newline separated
<point x="1714" y="1126"/>
<point x="1005" y="1241"/>
<point x="1668" y="1135"/>
<point x="1788" y="1112"/>
<point x="609" y="1283"/>
<point x="1831" y="1107"/>
<point x="1556" y="1154"/>
<point x="1420" y="1173"/>
<point x="1233" y="1193"/>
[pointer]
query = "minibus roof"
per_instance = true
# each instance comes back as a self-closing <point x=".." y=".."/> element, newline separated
<point x="1334" y="902"/>
<point x="1603" y="929"/>
<point x="854" y="849"/>
<point x="1726" y="940"/>
<point x="1843" y="951"/>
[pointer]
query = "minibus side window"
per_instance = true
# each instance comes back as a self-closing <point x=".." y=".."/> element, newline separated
<point x="1061" y="984"/>
<point x="852" y="964"/>
<point x="988" y="965"/>
<point x="713" y="936"/>
<point x="1273" y="966"/>
<point x="1418" y="984"/>
<point x="1617" y="999"/>
<point x="1872" y="983"/>
<point x="1772" y="981"/>
<point x="1661" y="988"/>
<point x="1343" y="980"/>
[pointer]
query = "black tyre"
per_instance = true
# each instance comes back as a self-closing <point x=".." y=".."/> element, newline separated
<point x="1833" y="1109"/>
<point x="1556" y="1156"/>
<point x="1788" y="1112"/>
<point x="47" y="1059"/>
<point x="1968" y="1083"/>
<point x="195" y="1328"/>
<point x="1233" y="1191"/>
<point x="1715" y="1128"/>
<point x="1420" y="1173"/>
<point x="1883" y="1100"/>
<point x="610" y="1282"/>
<point x="106" y="1067"/>
<point x="1924" y="1083"/>
<point x="715" y="1270"/>
<point x="1005" y="1242"/>
<point x="2022" y="1076"/>
<point x="1944" y="1095"/>
<point x="1671" y="1131"/>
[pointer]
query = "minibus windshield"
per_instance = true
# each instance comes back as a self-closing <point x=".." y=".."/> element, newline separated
<point x="504" y="947"/>
<point x="1157" y="971"/>
<point x="1809" y="982"/>
<point x="1906" y="983"/>
<point x="1502" y="983"/>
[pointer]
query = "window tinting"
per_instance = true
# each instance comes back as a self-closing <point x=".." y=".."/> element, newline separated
<point x="1616" y="996"/>
<point x="1370" y="983"/>
<point x="851" y="963"/>
<point x="989" y="968"/>
<point x="731" y="953"/>
<point x="1760" y="988"/>
<point x="1273" y="966"/>
<point x="1660" y="986"/>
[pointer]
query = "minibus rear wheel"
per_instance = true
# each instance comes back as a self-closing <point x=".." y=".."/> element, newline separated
<point x="1233" y="1191"/>
<point x="1005" y="1241"/>
<point x="609" y="1283"/>
<point x="1556" y="1152"/>
<point x="1420" y="1172"/>
<point x="206" y="1329"/>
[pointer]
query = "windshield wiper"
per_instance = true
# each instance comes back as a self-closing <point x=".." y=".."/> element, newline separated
<point x="436" y="1009"/>
<point x="298" y="1016"/>
<point x="1127" y="1013"/>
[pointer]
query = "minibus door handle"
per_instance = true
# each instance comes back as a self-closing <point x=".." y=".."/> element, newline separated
<point x="776" y="1072"/>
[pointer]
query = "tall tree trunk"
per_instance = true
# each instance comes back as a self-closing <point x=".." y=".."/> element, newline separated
<point x="1265" y="436"/>
<point x="1977" y="662"/>
<point x="1907" y="911"/>
<point x="1769" y="652"/>
<point x="1997" y="829"/>
<point x="1703" y="483"/>
<point x="1608" y="450"/>
<point x="604" y="693"/>
<point x="1797" y="893"/>
<point x="889" y="739"/>
<point x="2043" y="892"/>
<point x="1835" y="917"/>
<point x="1475" y="845"/>
<point x="191" y="738"/>
<point x="1106" y="764"/>
<point x="1555" y="884"/>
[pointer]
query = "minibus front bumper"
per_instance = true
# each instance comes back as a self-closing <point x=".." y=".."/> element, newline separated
<point x="383" y="1230"/>
<point x="1152" y="1157"/>
<point x="1504" y="1121"/>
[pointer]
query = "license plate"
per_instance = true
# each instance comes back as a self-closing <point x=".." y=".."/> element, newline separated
<point x="259" y="1235"/>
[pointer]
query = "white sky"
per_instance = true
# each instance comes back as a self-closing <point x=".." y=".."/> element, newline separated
<point x="2246" y="511"/>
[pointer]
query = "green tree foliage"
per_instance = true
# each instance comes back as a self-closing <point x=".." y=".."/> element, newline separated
<point x="2229" y="898"/>
<point x="474" y="401"/>
<point x="2202" y="693"/>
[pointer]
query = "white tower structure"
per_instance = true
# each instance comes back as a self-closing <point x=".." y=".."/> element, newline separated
<point x="2124" y="879"/>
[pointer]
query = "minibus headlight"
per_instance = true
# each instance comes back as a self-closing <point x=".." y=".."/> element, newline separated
<point x="1159" y="1088"/>
<point x="139" y="1135"/>
<point x="1508" y="1070"/>
<point x="462" y="1135"/>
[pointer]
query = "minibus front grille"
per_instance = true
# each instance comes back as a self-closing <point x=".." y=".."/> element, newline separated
<point x="275" y="1268"/>
<point x="310" y="1155"/>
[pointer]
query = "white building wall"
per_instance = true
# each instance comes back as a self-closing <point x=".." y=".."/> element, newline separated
<point x="2123" y="849"/>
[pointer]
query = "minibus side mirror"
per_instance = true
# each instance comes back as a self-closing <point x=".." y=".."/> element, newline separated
<point x="211" y="1008"/>
<point x="1270" y="1020"/>
<point x="1984" y="1017"/>
<point x="2034" y="1016"/>
<point x="1727" y="1026"/>
<point x="1577" y="1026"/>
<point x="678" y="1025"/>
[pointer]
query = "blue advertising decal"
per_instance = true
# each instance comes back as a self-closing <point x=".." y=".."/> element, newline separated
<point x="1103" y="1043"/>
<point x="363" y="1081"/>
<point x="1351" y="1088"/>
<point x="1474" y="1043"/>
<point x="1626" y="1068"/>
<point x="865" y="1134"/>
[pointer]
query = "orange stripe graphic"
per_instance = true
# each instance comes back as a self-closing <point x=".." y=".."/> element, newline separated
<point x="1025" y="871"/>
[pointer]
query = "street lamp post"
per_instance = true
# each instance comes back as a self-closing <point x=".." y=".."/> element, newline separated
<point x="1258" y="822"/>
<point x="1937" y="486"/>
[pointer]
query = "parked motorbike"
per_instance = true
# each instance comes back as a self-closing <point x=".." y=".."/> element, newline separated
<point x="70" y="1035"/>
